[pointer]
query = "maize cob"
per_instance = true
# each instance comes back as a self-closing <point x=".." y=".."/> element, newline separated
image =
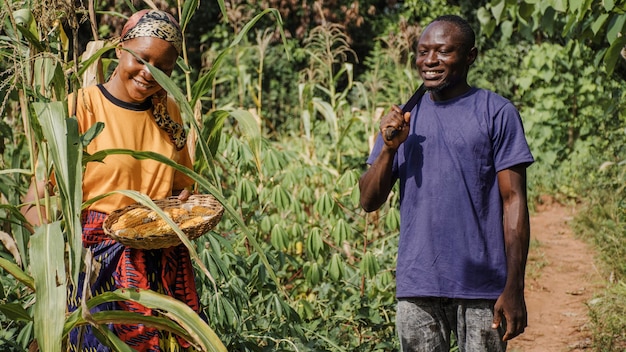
<point x="175" y="213"/>
<point x="158" y="227"/>
<point x="127" y="233"/>
<point x="130" y="219"/>
<point x="195" y="221"/>
<point x="200" y="210"/>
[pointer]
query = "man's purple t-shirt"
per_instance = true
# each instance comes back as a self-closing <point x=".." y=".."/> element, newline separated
<point x="451" y="233"/>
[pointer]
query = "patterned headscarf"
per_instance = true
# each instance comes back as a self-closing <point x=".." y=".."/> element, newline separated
<point x="153" y="23"/>
<point x="159" y="24"/>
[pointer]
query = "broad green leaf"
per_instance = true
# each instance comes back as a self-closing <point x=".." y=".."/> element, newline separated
<point x="483" y="16"/>
<point x="251" y="130"/>
<point x="246" y="190"/>
<point x="560" y="5"/>
<point x="280" y="198"/>
<point x="76" y="319"/>
<point x="266" y="224"/>
<point x="392" y="219"/>
<point x="616" y="27"/>
<point x="313" y="273"/>
<point x="17" y="273"/>
<point x="613" y="54"/>
<point x="84" y="65"/>
<point x="222" y="309"/>
<point x="497" y="10"/>
<point x="335" y="267"/>
<point x="575" y="5"/>
<point x="66" y="152"/>
<point x="599" y="23"/>
<point x="297" y="232"/>
<point x="325" y="204"/>
<point x="15" y="311"/>
<point x="48" y="269"/>
<point x="32" y="39"/>
<point x="369" y="265"/>
<point x="314" y="243"/>
<point x="507" y="29"/>
<point x="341" y="232"/>
<point x="109" y="338"/>
<point x="279" y="237"/>
<point x="525" y="11"/>
<point x="306" y="195"/>
<point x="91" y="133"/>
<point x="172" y="308"/>
<point x="329" y="114"/>
<point x="189" y="8"/>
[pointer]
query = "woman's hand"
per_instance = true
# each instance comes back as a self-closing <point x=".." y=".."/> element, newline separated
<point x="184" y="195"/>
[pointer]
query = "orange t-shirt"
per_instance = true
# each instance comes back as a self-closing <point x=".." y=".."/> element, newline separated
<point x="127" y="126"/>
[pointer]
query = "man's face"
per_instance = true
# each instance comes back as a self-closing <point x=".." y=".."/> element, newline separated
<point x="443" y="59"/>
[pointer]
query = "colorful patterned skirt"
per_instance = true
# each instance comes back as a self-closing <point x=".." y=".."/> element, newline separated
<point x="168" y="271"/>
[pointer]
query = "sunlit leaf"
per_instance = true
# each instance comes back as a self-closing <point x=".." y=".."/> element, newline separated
<point x="313" y="273"/>
<point x="335" y="267"/>
<point x="369" y="265"/>
<point x="66" y="151"/>
<point x="170" y="307"/>
<point x="497" y="10"/>
<point x="599" y="23"/>
<point x="279" y="237"/>
<point x="280" y="198"/>
<point x="341" y="231"/>
<point x="314" y="242"/>
<point x="47" y="246"/>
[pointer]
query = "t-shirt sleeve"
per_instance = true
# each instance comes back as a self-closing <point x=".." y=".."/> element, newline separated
<point x="378" y="146"/>
<point x="510" y="145"/>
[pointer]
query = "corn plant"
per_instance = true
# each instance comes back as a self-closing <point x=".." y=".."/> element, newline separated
<point x="39" y="63"/>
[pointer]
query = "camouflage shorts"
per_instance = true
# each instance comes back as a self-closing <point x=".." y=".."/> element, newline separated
<point x="426" y="324"/>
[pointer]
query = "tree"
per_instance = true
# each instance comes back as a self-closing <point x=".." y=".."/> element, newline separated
<point x="598" y="24"/>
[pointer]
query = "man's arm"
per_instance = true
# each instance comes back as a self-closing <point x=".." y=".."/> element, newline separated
<point x="376" y="183"/>
<point x="511" y="304"/>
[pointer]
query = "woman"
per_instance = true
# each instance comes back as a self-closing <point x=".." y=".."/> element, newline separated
<point x="137" y="115"/>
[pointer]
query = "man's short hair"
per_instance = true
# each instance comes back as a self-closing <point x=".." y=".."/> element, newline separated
<point x="469" y="37"/>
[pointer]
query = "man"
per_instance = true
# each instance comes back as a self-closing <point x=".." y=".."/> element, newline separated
<point x="460" y="157"/>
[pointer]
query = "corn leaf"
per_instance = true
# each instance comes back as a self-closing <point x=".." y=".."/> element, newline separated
<point x="190" y="321"/>
<point x="48" y="270"/>
<point x="77" y="319"/>
<point x="66" y="152"/>
<point x="17" y="273"/>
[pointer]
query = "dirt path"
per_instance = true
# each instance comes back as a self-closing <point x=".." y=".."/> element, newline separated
<point x="561" y="279"/>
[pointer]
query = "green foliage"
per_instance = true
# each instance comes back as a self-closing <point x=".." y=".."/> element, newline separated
<point x="581" y="20"/>
<point x="284" y="126"/>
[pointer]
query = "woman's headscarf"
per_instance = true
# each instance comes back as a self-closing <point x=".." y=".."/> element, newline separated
<point x="153" y="23"/>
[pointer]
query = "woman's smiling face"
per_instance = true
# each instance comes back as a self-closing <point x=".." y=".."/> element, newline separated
<point x="134" y="83"/>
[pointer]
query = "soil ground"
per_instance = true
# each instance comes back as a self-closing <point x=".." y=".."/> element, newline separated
<point x="561" y="278"/>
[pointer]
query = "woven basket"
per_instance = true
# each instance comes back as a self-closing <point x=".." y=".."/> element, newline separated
<point x="135" y="226"/>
